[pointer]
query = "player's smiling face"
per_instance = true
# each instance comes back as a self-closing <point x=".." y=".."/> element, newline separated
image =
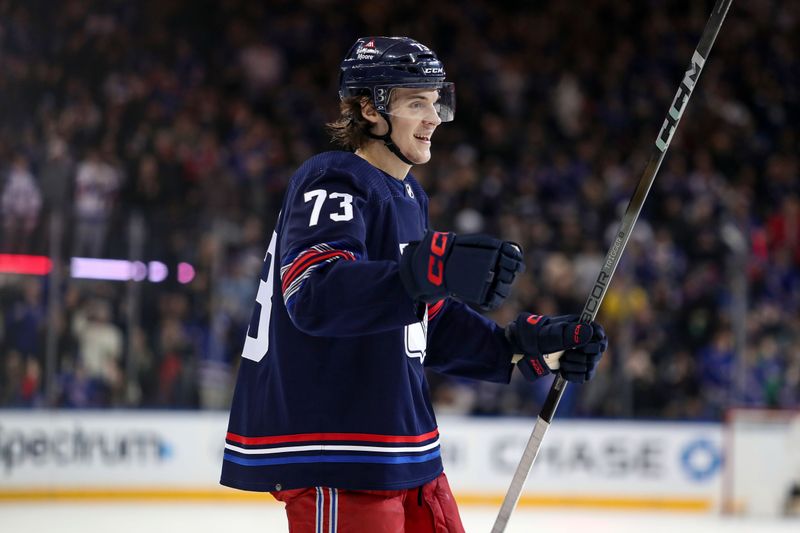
<point x="414" y="119"/>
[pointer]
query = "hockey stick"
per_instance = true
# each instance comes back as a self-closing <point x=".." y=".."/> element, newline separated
<point x="615" y="252"/>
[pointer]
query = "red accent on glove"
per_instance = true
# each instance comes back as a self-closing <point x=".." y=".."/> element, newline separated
<point x="576" y="335"/>
<point x="534" y="319"/>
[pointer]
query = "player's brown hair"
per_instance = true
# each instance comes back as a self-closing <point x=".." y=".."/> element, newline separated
<point x="350" y="129"/>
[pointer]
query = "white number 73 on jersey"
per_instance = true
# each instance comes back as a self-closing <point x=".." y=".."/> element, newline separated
<point x="319" y="196"/>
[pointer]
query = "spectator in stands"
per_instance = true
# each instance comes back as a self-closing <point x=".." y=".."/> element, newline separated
<point x="97" y="182"/>
<point x="100" y="350"/>
<point x="21" y="203"/>
<point x="25" y="318"/>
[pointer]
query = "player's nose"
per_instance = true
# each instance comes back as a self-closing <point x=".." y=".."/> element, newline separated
<point x="432" y="117"/>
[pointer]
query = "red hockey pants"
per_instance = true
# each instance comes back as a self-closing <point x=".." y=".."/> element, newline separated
<point x="426" y="509"/>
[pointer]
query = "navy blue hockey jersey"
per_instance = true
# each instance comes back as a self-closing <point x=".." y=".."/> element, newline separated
<point x="331" y="389"/>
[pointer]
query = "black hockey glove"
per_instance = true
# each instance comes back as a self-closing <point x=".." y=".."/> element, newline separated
<point x="558" y="343"/>
<point x="477" y="269"/>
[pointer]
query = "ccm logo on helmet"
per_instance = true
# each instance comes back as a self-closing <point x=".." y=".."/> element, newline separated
<point x="435" y="260"/>
<point x="432" y="70"/>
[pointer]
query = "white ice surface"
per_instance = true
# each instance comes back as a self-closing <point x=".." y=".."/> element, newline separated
<point x="25" y="517"/>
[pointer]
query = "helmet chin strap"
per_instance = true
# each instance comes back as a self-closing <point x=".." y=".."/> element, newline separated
<point x="387" y="140"/>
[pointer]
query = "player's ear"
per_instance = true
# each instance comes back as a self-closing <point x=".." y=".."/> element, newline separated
<point x="368" y="111"/>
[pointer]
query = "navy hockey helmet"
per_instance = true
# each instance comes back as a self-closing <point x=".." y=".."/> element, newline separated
<point x="376" y="65"/>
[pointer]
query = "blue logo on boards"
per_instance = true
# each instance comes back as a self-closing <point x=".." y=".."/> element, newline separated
<point x="701" y="459"/>
<point x="165" y="451"/>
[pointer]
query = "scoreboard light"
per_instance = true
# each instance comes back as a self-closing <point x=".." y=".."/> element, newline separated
<point x="107" y="269"/>
<point x="95" y="268"/>
<point x="157" y="271"/>
<point x="185" y="272"/>
<point x="37" y="265"/>
<point x="122" y="270"/>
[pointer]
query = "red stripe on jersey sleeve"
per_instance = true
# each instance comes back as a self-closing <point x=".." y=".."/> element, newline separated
<point x="306" y="260"/>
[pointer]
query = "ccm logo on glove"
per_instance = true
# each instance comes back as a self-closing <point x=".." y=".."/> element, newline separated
<point x="576" y="336"/>
<point x="436" y="260"/>
<point x="477" y="269"/>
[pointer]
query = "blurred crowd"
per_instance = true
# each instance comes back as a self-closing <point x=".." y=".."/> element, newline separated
<point x="186" y="119"/>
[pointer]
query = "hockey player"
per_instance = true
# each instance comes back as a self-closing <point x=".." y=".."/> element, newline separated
<point x="331" y="412"/>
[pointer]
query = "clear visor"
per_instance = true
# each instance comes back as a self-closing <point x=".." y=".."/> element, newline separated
<point x="423" y="102"/>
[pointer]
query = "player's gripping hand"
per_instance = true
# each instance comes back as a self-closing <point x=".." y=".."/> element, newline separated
<point x="477" y="269"/>
<point x="558" y="343"/>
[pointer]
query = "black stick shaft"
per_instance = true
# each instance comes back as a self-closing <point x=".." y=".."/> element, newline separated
<point x="614" y="253"/>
